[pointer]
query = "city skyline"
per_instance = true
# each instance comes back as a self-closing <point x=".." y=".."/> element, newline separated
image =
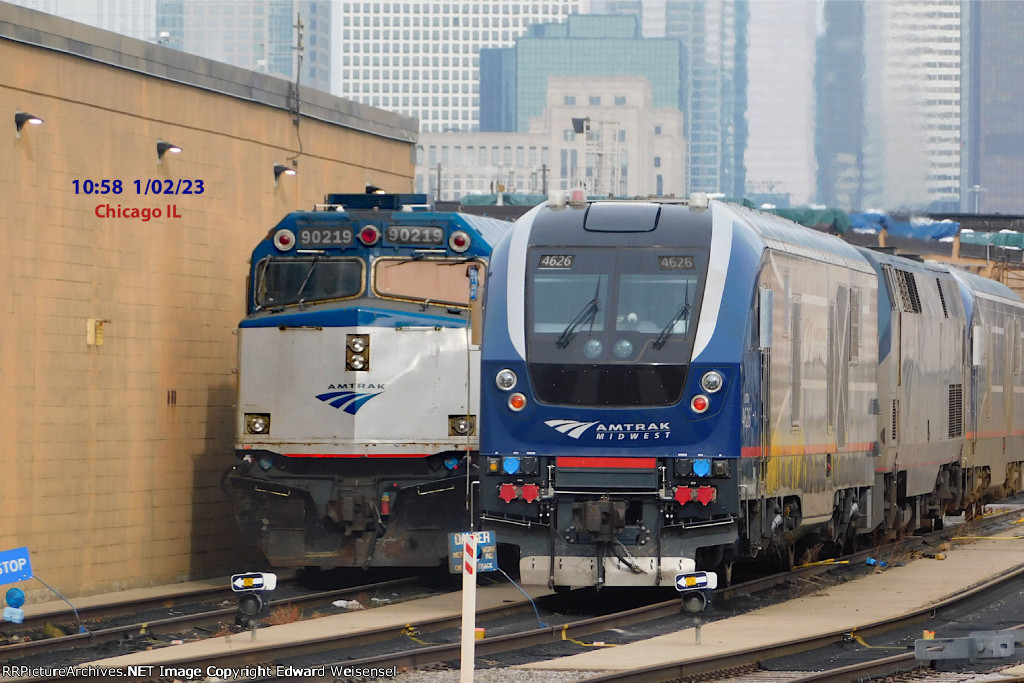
<point x="778" y="105"/>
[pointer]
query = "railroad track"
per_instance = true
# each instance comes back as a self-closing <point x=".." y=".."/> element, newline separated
<point x="428" y="654"/>
<point x="208" y="618"/>
<point x="725" y="666"/>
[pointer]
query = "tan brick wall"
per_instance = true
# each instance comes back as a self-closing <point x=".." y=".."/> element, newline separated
<point x="107" y="484"/>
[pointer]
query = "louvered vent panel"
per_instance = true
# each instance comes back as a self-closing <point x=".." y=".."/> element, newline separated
<point x="895" y="421"/>
<point x="956" y="410"/>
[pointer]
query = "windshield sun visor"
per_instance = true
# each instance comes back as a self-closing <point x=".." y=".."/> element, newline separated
<point x="622" y="217"/>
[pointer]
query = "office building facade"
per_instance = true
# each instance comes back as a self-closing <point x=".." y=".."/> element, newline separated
<point x="624" y="145"/>
<point x="912" y="104"/>
<point x="422" y="58"/>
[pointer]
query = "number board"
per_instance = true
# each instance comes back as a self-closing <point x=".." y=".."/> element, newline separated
<point x="677" y="262"/>
<point x="338" y="236"/>
<point x="556" y="261"/>
<point x="414" y="235"/>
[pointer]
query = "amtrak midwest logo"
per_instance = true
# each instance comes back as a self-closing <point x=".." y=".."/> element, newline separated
<point x="617" y="431"/>
<point x="348" y="397"/>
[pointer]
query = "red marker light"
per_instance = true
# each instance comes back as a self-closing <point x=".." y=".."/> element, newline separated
<point x="284" y="239"/>
<point x="459" y="241"/>
<point x="699" y="403"/>
<point x="369" y="235"/>
<point x="517" y="402"/>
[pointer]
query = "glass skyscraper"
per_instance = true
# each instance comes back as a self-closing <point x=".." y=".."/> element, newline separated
<point x="714" y="38"/>
<point x="253" y="34"/>
<point x="994" y="102"/>
<point x="839" y="122"/>
<point x="582" y="47"/>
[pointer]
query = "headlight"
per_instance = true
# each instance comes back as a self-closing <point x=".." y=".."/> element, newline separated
<point x="257" y="423"/>
<point x="505" y="379"/>
<point x="461" y="425"/>
<point x="711" y="381"/>
<point x="593" y="348"/>
<point x="357" y="352"/>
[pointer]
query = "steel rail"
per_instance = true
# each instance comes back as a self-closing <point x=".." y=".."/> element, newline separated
<point x="687" y="667"/>
<point x="547" y="635"/>
<point x="174" y="624"/>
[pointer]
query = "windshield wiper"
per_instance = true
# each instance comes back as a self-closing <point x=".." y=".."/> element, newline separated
<point x="682" y="313"/>
<point x="586" y="314"/>
<point x="305" y="280"/>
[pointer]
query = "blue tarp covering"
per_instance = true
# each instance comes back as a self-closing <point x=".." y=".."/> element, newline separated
<point x="917" y="227"/>
<point x="835" y="220"/>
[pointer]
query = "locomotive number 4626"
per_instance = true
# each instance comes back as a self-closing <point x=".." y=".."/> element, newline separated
<point x="556" y="261"/>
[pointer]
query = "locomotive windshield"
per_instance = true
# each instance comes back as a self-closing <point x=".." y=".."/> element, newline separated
<point x="445" y="282"/>
<point x="288" y="281"/>
<point x="612" y="326"/>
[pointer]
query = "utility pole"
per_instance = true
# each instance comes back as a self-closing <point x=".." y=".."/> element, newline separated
<point x="544" y="179"/>
<point x="437" y="198"/>
<point x="977" y="190"/>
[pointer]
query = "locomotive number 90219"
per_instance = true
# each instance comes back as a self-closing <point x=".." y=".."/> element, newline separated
<point x="414" y="234"/>
<point x="325" y="237"/>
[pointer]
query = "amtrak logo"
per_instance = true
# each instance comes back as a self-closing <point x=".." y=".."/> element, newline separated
<point x="346" y="398"/>
<point x="571" y="428"/>
<point x="620" y="431"/>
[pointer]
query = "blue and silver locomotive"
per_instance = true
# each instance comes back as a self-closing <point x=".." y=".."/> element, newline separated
<point x="357" y="382"/>
<point x="669" y="387"/>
